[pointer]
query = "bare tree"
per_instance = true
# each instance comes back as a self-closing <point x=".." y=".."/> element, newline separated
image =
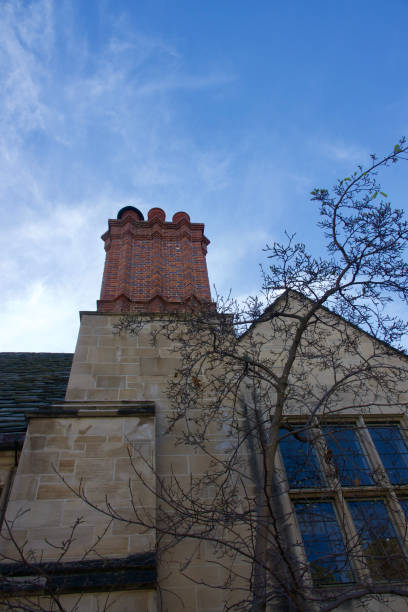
<point x="297" y="400"/>
<point x="314" y="366"/>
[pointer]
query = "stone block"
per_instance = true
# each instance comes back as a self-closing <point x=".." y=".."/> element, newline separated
<point x="112" y="369"/>
<point x="88" y="438"/>
<point x="52" y="426"/>
<point x="200" y="570"/>
<point x="142" y="543"/>
<point x="56" y="535"/>
<point x="108" y="340"/>
<point x="108" y="449"/>
<point x="35" y="443"/>
<point x="84" y="340"/>
<point x="210" y="598"/>
<point x="103" y="355"/>
<point x="138" y="429"/>
<point x="172" y="464"/>
<point x="148" y="389"/>
<point x="112" y="546"/>
<point x="9" y="550"/>
<point x="133" y="382"/>
<point x="38" y="463"/>
<point x="168" y="353"/>
<point x="66" y="466"/>
<point x="76" y="508"/>
<point x="156" y="366"/>
<point x="54" y="491"/>
<point x="81" y="381"/>
<point x="169" y="445"/>
<point x="135" y="394"/>
<point x="128" y="529"/>
<point x="59" y="442"/>
<point x="126" y="469"/>
<point x="100" y="426"/>
<point x="148" y="352"/>
<point x="102" y="331"/>
<point x="95" y="320"/>
<point x="103" y="394"/>
<point x="115" y="438"/>
<point x="39" y="513"/>
<point x="94" y="469"/>
<point x="201" y="464"/>
<point x="110" y="381"/>
<point x="142" y="495"/>
<point x="129" y="354"/>
<point x="181" y="600"/>
<point x="132" y="369"/>
<point x="75" y="394"/>
<point x="114" y="339"/>
<point x="24" y="488"/>
<point x="114" y="493"/>
<point x="146" y="338"/>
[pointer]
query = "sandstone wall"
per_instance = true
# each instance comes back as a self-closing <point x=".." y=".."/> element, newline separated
<point x="112" y="373"/>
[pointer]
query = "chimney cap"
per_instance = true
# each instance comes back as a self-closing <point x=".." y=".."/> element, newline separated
<point x="130" y="209"/>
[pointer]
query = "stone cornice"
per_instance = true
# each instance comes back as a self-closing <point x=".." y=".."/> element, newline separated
<point x="136" y="571"/>
<point x="95" y="409"/>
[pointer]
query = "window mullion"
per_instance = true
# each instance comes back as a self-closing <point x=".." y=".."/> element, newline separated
<point x="398" y="516"/>
<point x="322" y="450"/>
<point x="292" y="529"/>
<point x="379" y="474"/>
<point x="352" y="542"/>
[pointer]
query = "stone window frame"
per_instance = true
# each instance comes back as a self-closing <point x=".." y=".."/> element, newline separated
<point x="339" y="496"/>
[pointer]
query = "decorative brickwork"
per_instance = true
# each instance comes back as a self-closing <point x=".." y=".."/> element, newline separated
<point x="154" y="265"/>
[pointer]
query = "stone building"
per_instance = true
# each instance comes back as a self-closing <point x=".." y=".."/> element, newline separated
<point x="93" y="458"/>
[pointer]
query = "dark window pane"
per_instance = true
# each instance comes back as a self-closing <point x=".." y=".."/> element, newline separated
<point x="404" y="506"/>
<point x="393" y="451"/>
<point x="346" y="453"/>
<point x="323" y="543"/>
<point x="382" y="552"/>
<point x="299" y="457"/>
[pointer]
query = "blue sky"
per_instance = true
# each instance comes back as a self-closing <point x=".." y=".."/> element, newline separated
<point x="230" y="110"/>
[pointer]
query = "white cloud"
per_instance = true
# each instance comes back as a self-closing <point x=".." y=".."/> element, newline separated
<point x="26" y="36"/>
<point x="183" y="82"/>
<point x="341" y="151"/>
<point x="228" y="259"/>
<point x="82" y="133"/>
<point x="214" y="169"/>
<point x="40" y="318"/>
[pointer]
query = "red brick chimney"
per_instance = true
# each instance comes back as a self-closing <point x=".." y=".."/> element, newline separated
<point x="154" y="265"/>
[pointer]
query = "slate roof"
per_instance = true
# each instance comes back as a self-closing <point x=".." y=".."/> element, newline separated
<point x="29" y="382"/>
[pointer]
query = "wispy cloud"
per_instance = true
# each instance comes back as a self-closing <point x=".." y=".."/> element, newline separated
<point x="82" y="132"/>
<point x="184" y="83"/>
<point x="228" y="258"/>
<point x="343" y="152"/>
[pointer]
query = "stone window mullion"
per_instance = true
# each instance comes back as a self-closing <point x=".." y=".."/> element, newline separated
<point x="379" y="473"/>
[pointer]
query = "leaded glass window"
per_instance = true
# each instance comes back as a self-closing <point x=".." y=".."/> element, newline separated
<point x="393" y="451"/>
<point x="347" y="455"/>
<point x="381" y="548"/>
<point x="300" y="459"/>
<point x="323" y="543"/>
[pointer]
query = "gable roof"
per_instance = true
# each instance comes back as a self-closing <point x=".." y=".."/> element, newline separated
<point x="29" y="382"/>
<point x="297" y="295"/>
